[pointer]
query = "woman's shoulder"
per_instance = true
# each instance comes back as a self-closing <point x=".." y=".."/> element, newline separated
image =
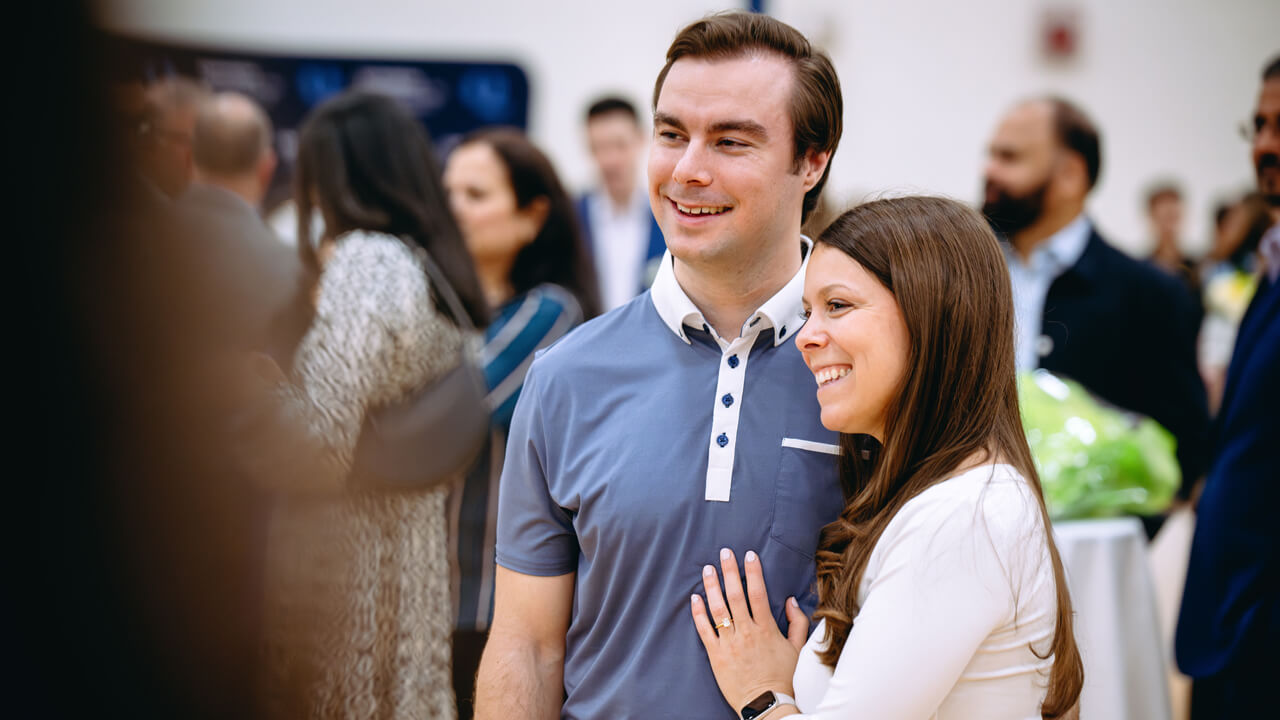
<point x="546" y="305"/>
<point x="556" y="298"/>
<point x="375" y="271"/>
<point x="369" y="245"/>
<point x="997" y="496"/>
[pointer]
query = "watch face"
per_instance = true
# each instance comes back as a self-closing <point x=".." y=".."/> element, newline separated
<point x="756" y="707"/>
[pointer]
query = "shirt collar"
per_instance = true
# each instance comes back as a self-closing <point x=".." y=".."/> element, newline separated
<point x="1055" y="255"/>
<point x="782" y="311"/>
<point x="1066" y="246"/>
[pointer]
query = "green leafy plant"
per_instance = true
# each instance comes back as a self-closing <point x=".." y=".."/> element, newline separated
<point x="1093" y="459"/>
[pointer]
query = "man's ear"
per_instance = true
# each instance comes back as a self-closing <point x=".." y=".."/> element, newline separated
<point x="812" y="167"/>
<point x="266" y="168"/>
<point x="1072" y="174"/>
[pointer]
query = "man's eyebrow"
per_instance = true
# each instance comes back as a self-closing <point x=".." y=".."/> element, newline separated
<point x="748" y="127"/>
<point x="660" y="118"/>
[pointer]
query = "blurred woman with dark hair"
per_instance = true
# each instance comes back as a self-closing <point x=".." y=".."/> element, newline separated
<point x="358" y="583"/>
<point x="522" y="232"/>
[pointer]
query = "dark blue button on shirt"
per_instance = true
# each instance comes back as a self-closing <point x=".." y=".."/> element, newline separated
<point x="733" y="361"/>
<point x="727" y="400"/>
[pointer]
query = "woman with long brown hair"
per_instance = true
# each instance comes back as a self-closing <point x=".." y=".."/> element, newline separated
<point x="941" y="593"/>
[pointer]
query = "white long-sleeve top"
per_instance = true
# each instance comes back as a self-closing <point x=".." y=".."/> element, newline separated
<point x="957" y="591"/>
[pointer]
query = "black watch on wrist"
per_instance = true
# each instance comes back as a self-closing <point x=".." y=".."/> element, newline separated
<point x="767" y="701"/>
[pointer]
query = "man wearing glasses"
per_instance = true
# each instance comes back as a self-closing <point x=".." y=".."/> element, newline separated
<point x="1229" y="626"/>
<point x="163" y="143"/>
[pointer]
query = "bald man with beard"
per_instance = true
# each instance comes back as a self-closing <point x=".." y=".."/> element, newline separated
<point x="1083" y="309"/>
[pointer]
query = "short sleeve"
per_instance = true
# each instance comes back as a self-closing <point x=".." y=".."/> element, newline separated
<point x="535" y="533"/>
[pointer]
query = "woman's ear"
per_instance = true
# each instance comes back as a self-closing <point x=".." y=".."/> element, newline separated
<point x="532" y="217"/>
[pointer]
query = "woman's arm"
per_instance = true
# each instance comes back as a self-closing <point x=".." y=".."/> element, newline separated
<point x="942" y="587"/>
<point x="360" y="351"/>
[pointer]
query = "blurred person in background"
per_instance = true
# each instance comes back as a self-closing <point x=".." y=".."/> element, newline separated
<point x="358" y="601"/>
<point x="1229" y="276"/>
<point x="234" y="162"/>
<point x="1229" y="626"/>
<point x="624" y="238"/>
<point x="1165" y="214"/>
<point x="625" y="473"/>
<point x="520" y="228"/>
<point x="1085" y="310"/>
<point x="163" y="146"/>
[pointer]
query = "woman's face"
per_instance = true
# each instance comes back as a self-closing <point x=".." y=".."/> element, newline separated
<point x="855" y="343"/>
<point x="484" y="204"/>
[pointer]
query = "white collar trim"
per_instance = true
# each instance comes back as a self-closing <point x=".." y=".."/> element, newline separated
<point x="783" y="312"/>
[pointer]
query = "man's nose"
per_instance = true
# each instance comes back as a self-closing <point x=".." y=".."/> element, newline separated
<point x="692" y="168"/>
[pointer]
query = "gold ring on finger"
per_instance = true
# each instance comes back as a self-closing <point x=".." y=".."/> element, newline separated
<point x="725" y="623"/>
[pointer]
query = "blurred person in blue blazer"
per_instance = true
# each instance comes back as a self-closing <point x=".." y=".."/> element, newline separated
<point x="1229" y="626"/>
<point x="622" y="234"/>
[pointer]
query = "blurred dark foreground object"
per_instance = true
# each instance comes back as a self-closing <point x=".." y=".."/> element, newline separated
<point x="138" y="542"/>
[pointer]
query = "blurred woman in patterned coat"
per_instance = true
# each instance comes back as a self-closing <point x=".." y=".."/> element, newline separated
<point x="358" y="601"/>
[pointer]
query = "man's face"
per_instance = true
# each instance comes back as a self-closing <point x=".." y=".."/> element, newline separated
<point x="1020" y="166"/>
<point x="722" y="180"/>
<point x="1166" y="216"/>
<point x="1266" y="143"/>
<point x="615" y="142"/>
<point x="168" y="162"/>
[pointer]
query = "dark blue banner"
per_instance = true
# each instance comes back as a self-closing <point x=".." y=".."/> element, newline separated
<point x="449" y="97"/>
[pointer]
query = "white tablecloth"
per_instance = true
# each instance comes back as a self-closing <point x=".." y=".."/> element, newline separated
<point x="1116" y="624"/>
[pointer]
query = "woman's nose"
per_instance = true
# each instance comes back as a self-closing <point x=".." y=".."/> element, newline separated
<point x="811" y="336"/>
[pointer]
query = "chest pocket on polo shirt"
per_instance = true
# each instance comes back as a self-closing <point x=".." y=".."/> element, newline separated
<point x="808" y="493"/>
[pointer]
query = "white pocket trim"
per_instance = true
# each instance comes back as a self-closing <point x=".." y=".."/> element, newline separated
<point x="811" y="446"/>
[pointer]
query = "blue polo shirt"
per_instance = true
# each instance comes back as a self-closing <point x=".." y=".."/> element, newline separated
<point x="643" y="443"/>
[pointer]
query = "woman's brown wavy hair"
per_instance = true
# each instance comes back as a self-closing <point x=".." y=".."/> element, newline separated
<point x="958" y="398"/>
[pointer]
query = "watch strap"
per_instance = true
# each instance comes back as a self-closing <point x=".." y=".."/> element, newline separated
<point x="765" y="702"/>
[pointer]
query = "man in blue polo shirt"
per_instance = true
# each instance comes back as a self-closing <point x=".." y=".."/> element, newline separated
<point x="686" y="420"/>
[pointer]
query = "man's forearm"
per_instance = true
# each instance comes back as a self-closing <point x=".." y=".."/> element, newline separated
<point x="519" y="678"/>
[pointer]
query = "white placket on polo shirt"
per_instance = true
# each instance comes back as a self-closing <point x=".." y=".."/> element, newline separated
<point x="677" y="310"/>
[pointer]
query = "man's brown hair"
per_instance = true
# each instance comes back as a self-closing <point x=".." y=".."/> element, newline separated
<point x="817" y="107"/>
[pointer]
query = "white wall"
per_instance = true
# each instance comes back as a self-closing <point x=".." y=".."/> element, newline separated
<point x="924" y="80"/>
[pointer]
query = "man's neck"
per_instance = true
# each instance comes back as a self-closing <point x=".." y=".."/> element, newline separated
<point x="727" y="297"/>
<point x="620" y="198"/>
<point x="1046" y="226"/>
<point x="1167" y="251"/>
<point x="245" y="187"/>
<point x="495" y="281"/>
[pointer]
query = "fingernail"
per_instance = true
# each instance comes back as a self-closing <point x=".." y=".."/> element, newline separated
<point x="751" y="556"/>
<point x="792" y="602"/>
<point x="725" y="554"/>
<point x="693" y="599"/>
<point x="708" y="571"/>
